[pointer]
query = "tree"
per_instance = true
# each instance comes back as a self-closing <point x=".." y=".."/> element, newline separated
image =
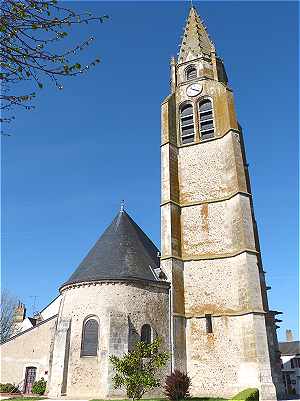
<point x="7" y="314"/>
<point x="136" y="370"/>
<point x="29" y="49"/>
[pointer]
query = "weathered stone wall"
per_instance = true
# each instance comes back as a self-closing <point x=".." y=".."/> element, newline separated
<point x="121" y="309"/>
<point x="236" y="354"/>
<point x="31" y="348"/>
<point x="210" y="171"/>
<point x="217" y="228"/>
<point x="230" y="359"/>
<point x="216" y="286"/>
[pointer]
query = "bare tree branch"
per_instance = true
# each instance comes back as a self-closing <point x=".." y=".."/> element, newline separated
<point x="7" y="315"/>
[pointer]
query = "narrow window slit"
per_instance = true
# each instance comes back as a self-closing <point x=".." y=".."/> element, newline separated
<point x="209" y="328"/>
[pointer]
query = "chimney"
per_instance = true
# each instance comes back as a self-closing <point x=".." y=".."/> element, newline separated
<point x="20" y="313"/>
<point x="289" y="335"/>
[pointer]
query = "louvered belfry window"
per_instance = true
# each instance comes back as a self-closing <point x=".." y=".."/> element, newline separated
<point x="206" y="119"/>
<point x="146" y="334"/>
<point x="187" y="124"/>
<point x="191" y="73"/>
<point x="89" y="346"/>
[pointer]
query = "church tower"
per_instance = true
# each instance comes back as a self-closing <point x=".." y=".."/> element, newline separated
<point x="222" y="331"/>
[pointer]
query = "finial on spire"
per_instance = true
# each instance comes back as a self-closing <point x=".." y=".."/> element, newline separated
<point x="122" y="206"/>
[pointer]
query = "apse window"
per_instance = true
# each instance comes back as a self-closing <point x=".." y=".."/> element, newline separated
<point x="187" y="124"/>
<point x="146" y="334"/>
<point x="209" y="328"/>
<point x="90" y="336"/>
<point x="191" y="73"/>
<point x="206" y="119"/>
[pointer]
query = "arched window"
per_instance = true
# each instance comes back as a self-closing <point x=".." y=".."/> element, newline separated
<point x="90" y="334"/>
<point x="206" y="119"/>
<point x="191" y="73"/>
<point x="187" y="124"/>
<point x="146" y="333"/>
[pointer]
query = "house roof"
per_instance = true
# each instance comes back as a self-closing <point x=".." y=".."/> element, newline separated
<point x="289" y="347"/>
<point x="123" y="252"/>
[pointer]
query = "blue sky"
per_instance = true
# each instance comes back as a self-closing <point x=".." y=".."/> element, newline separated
<point x="70" y="162"/>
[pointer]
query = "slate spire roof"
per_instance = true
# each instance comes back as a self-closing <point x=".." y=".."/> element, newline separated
<point x="195" y="40"/>
<point x="123" y="252"/>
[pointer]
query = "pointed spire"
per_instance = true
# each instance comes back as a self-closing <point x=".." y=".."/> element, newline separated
<point x="195" y="39"/>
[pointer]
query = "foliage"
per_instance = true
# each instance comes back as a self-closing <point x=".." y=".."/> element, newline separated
<point x="136" y="370"/>
<point x="27" y="398"/>
<point x="8" y="388"/>
<point x="39" y="387"/>
<point x="30" y="30"/>
<point x="249" y="394"/>
<point x="177" y="385"/>
<point x="7" y="311"/>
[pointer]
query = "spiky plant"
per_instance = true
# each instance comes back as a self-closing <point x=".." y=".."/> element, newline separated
<point x="177" y="386"/>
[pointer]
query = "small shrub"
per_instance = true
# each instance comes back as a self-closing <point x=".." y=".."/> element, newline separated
<point x="249" y="394"/>
<point x="8" y="388"/>
<point x="39" y="387"/>
<point x="137" y="370"/>
<point x="177" y="386"/>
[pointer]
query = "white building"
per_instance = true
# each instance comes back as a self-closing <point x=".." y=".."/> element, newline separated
<point x="290" y="356"/>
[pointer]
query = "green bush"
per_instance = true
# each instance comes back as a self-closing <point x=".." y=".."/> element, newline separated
<point x="39" y="387"/>
<point x="249" y="394"/>
<point x="8" y="388"/>
<point x="137" y="370"/>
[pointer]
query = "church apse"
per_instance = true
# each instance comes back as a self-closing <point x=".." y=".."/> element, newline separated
<point x="106" y="302"/>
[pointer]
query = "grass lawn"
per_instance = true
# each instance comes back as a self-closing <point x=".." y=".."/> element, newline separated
<point x="164" y="399"/>
<point x="21" y="398"/>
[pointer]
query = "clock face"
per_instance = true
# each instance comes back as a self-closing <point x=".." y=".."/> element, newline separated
<point x="194" y="89"/>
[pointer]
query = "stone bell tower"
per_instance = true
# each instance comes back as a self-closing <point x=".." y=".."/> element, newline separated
<point x="223" y="333"/>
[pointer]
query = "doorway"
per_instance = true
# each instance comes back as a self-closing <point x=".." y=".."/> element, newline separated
<point x="30" y="376"/>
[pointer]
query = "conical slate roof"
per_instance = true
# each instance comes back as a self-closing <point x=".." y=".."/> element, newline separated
<point x="123" y="252"/>
<point x="195" y="39"/>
